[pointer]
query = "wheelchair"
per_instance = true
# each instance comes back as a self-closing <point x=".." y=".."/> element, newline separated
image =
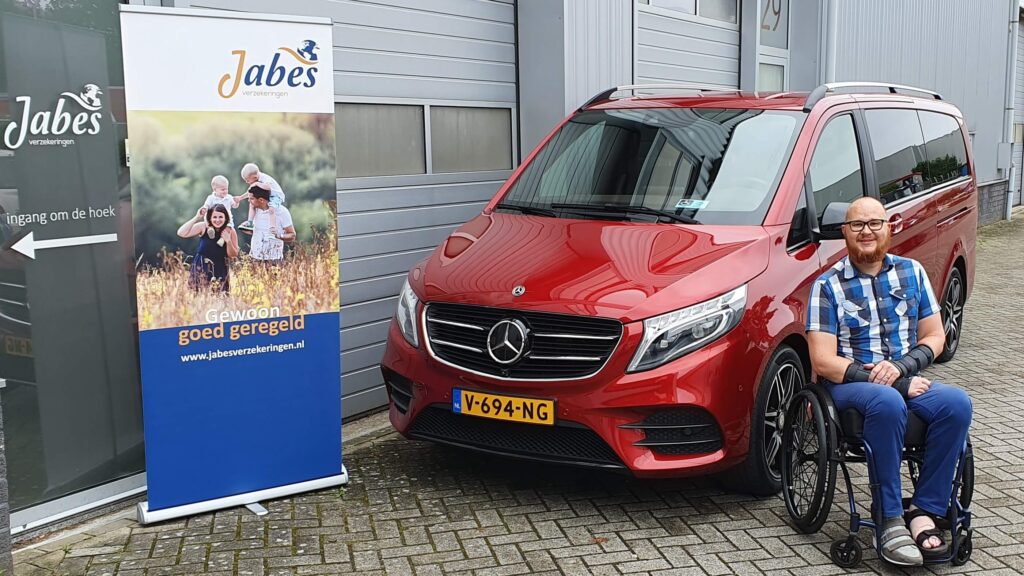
<point x="817" y="439"/>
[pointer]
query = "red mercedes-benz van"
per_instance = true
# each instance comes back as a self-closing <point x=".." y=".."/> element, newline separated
<point x="634" y="297"/>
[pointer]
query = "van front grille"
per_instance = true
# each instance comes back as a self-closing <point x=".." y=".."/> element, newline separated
<point x="556" y="346"/>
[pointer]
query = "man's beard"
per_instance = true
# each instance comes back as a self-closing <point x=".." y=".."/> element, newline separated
<point x="858" y="256"/>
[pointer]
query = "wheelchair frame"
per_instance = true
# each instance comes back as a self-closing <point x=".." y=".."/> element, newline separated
<point x="835" y="449"/>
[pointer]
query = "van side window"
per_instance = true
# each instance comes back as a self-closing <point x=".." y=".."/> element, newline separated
<point x="899" y="152"/>
<point x="944" y="143"/>
<point x="835" y="172"/>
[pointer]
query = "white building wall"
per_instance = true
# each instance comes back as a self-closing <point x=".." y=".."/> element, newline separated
<point x="574" y="49"/>
<point x="599" y="51"/>
<point x="1018" y="117"/>
<point x="956" y="48"/>
<point x="672" y="46"/>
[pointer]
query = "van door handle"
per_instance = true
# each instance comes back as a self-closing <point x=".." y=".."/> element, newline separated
<point x="896" y="223"/>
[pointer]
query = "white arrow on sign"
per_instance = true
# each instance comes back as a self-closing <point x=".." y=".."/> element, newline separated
<point x="28" y="245"/>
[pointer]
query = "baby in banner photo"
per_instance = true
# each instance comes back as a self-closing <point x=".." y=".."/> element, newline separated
<point x="221" y="196"/>
<point x="251" y="175"/>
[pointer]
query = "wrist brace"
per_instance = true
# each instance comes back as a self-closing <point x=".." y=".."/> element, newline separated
<point x="919" y="358"/>
<point x="856" y="373"/>
<point x="902" y="385"/>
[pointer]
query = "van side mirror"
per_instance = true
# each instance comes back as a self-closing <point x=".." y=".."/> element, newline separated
<point x="832" y="221"/>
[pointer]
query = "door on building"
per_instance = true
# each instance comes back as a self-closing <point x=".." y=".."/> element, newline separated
<point x="71" y="406"/>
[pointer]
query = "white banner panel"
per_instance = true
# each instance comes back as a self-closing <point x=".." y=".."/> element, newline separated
<point x="199" y="60"/>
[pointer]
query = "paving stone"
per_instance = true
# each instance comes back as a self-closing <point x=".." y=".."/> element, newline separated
<point x="419" y="509"/>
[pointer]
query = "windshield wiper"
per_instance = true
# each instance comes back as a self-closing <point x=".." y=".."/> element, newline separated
<point x="628" y="209"/>
<point x="527" y="209"/>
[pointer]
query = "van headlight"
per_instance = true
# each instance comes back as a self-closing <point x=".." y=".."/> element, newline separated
<point x="672" y="335"/>
<point x="406" y="314"/>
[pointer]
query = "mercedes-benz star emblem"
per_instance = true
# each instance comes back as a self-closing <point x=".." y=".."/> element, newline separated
<point x="519" y="291"/>
<point x="506" y="341"/>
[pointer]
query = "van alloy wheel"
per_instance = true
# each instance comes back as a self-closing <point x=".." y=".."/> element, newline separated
<point x="787" y="381"/>
<point x="953" y="314"/>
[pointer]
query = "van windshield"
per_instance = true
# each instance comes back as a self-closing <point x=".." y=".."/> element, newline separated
<point x="697" y="165"/>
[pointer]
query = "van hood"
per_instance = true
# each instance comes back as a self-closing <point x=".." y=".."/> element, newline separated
<point x="622" y="270"/>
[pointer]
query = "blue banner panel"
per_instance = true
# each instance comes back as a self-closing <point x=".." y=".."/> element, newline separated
<point x="241" y="406"/>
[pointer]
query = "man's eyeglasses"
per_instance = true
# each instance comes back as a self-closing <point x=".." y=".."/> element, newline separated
<point x="858" y="225"/>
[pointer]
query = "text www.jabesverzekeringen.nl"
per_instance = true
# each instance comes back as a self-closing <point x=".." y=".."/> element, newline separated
<point x="248" y="351"/>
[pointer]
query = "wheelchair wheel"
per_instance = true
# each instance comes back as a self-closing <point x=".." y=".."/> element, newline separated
<point x="964" y="548"/>
<point x="846" y="553"/>
<point x="808" y="473"/>
<point x="967" y="478"/>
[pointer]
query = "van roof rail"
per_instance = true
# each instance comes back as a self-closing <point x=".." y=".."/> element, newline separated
<point x="820" y="91"/>
<point x="606" y="94"/>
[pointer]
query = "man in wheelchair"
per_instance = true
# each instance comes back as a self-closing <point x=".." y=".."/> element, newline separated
<point x="873" y="324"/>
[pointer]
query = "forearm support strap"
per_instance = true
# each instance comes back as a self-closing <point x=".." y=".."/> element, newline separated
<point x="919" y="358"/>
<point x="857" y="373"/>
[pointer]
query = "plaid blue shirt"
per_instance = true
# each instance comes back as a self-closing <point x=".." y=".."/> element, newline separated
<point x="874" y="318"/>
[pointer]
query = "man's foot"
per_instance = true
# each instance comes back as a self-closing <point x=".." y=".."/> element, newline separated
<point x="923" y="530"/>
<point x="897" y="547"/>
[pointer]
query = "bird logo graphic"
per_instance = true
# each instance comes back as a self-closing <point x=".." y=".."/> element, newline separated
<point x="88" y="98"/>
<point x="308" y="46"/>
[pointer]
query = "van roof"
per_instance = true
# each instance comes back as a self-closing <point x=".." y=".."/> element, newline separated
<point x="694" y="96"/>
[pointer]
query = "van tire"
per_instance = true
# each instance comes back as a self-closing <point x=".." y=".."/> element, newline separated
<point x="954" y="298"/>
<point x="783" y="377"/>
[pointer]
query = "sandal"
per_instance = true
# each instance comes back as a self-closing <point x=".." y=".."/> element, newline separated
<point x="935" y="553"/>
<point x="897" y="547"/>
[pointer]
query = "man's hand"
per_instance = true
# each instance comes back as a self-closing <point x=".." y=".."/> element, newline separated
<point x="884" y="372"/>
<point x="919" y="385"/>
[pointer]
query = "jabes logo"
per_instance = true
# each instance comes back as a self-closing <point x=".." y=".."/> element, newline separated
<point x="59" y="121"/>
<point x="273" y="73"/>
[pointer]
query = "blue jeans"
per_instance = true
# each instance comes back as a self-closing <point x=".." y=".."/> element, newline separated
<point x="946" y="409"/>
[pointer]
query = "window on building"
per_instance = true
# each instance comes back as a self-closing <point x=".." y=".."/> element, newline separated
<point x="379" y="140"/>
<point x="724" y="10"/>
<point x="944" y="144"/>
<point x="771" y="77"/>
<point x="775" y="24"/>
<point x="899" y="153"/>
<point x="687" y="6"/>
<point x="466" y="139"/>
<point x="71" y="407"/>
<point x="835" y="170"/>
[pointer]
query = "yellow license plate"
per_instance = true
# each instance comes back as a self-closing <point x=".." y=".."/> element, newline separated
<point x="511" y="408"/>
<point x="15" y="346"/>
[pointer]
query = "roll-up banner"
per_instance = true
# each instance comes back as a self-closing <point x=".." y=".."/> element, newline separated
<point x="231" y="152"/>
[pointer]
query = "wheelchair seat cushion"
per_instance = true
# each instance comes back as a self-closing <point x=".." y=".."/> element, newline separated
<point x="852" y="423"/>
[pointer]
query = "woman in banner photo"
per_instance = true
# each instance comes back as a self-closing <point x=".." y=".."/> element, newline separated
<point x="217" y="243"/>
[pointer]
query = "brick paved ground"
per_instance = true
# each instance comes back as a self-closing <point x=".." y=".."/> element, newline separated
<point x="415" y="508"/>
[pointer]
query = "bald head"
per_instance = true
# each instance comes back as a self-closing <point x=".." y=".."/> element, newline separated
<point x="865" y="208"/>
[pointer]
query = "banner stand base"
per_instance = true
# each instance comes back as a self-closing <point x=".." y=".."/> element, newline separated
<point x="257" y="509"/>
<point x="147" y="516"/>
